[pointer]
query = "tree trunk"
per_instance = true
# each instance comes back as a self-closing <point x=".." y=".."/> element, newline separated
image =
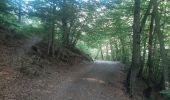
<point x="65" y="26"/>
<point x="51" y="42"/>
<point x="143" y="58"/>
<point x="107" y="52"/>
<point x="19" y="11"/>
<point x="150" y="49"/>
<point x="101" y="52"/>
<point x="162" y="44"/>
<point x="136" y="48"/>
<point x="97" y="54"/>
<point x="144" y="19"/>
<point x="111" y="48"/>
<point x="123" y="50"/>
<point x="51" y="36"/>
<point x="145" y="16"/>
<point x="116" y="49"/>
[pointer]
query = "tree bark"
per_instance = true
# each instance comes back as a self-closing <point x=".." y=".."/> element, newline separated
<point x="143" y="58"/>
<point x="107" y="52"/>
<point x="64" y="25"/>
<point x="136" y="49"/>
<point x="162" y="44"/>
<point x="145" y="16"/>
<point x="51" y="36"/>
<point x="111" y="48"/>
<point x="150" y="49"/>
<point x="101" y="52"/>
<point x="143" y="21"/>
<point x="97" y="54"/>
<point x="116" y="49"/>
<point x="123" y="50"/>
<point x="19" y="11"/>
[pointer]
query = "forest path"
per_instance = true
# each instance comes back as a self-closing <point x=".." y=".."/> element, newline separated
<point x="101" y="80"/>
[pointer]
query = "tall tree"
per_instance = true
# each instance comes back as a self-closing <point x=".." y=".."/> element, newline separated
<point x="65" y="24"/>
<point x="136" y="48"/>
<point x="161" y="43"/>
<point x="150" y="48"/>
<point x="19" y="10"/>
<point x="101" y="52"/>
<point x="52" y="29"/>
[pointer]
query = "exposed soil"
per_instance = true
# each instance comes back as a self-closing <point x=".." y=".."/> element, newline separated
<point x="100" y="80"/>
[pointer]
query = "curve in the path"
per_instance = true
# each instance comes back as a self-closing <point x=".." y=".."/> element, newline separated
<point x="102" y="80"/>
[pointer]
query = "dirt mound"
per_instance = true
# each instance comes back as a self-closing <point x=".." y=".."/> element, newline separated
<point x="7" y="34"/>
<point x="32" y="63"/>
<point x="71" y="55"/>
<point x="63" y="55"/>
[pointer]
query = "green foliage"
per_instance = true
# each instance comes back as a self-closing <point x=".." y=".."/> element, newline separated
<point x="83" y="47"/>
<point x="5" y="17"/>
<point x="166" y="92"/>
<point x="94" y="26"/>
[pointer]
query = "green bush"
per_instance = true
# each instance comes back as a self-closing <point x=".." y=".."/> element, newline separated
<point x="166" y="93"/>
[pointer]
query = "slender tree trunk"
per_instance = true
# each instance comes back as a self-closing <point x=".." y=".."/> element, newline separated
<point x="51" y="43"/>
<point x="19" y="11"/>
<point x="111" y="48"/>
<point x="143" y="58"/>
<point x="162" y="44"/>
<point x="130" y="46"/>
<point x="65" y="26"/>
<point x="143" y="21"/>
<point x="136" y="49"/>
<point x="101" y="52"/>
<point x="107" y="52"/>
<point x="51" y="36"/>
<point x="117" y="49"/>
<point x="150" y="49"/>
<point x="123" y="50"/>
<point x="77" y="37"/>
<point x="145" y="17"/>
<point x="97" y="54"/>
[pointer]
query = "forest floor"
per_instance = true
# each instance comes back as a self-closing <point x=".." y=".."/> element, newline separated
<point x="97" y="81"/>
<point x="101" y="80"/>
<point x="26" y="76"/>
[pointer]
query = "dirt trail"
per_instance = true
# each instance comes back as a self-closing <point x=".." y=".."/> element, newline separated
<point x="98" y="81"/>
<point x="101" y="80"/>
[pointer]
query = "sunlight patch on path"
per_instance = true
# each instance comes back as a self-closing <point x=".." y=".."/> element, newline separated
<point x="94" y="80"/>
<point x="106" y="62"/>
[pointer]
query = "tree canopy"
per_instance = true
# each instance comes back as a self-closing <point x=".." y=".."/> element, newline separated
<point x="135" y="32"/>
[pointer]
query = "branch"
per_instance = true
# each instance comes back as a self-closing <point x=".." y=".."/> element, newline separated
<point x="145" y="16"/>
